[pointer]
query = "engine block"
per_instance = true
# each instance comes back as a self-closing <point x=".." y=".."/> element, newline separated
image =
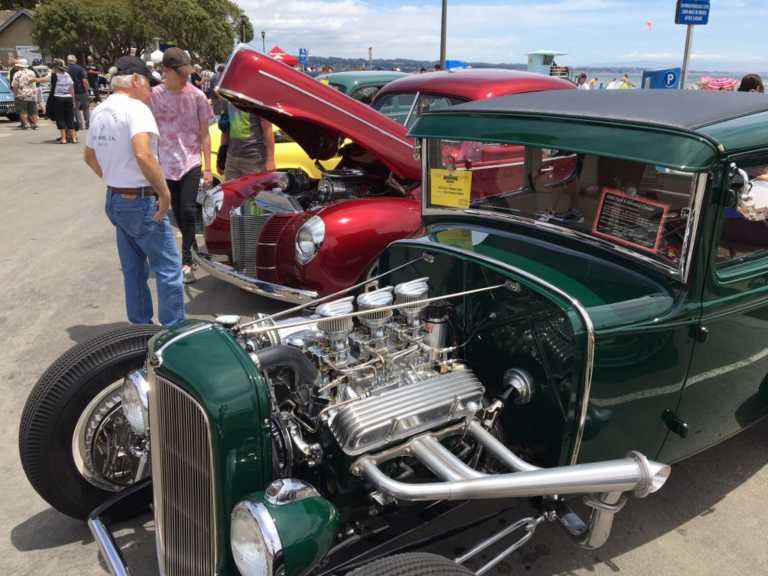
<point x="391" y="416"/>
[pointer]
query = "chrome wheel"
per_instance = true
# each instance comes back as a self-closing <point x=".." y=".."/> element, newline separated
<point x="106" y="451"/>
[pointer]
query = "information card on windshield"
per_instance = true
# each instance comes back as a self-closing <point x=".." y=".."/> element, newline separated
<point x="630" y="220"/>
<point x="450" y="188"/>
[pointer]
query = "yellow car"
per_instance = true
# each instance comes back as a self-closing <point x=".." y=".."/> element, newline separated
<point x="288" y="154"/>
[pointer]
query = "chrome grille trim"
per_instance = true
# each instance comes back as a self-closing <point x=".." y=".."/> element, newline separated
<point x="183" y="482"/>
<point x="244" y="233"/>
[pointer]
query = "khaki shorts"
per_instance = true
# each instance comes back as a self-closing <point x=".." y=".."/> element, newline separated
<point x="237" y="167"/>
<point x="28" y="107"/>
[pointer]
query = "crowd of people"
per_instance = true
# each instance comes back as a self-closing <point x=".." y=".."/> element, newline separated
<point x="149" y="141"/>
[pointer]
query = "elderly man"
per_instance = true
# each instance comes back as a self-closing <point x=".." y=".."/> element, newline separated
<point x="24" y="87"/>
<point x="183" y="113"/>
<point x="122" y="149"/>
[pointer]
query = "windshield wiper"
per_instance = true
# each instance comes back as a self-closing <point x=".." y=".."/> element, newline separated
<point x="488" y="203"/>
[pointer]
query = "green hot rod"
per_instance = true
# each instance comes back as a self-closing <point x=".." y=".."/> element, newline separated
<point x="571" y="323"/>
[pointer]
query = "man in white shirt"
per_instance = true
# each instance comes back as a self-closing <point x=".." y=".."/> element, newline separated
<point x="121" y="148"/>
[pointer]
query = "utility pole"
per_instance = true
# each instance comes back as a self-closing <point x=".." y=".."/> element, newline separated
<point x="242" y="28"/>
<point x="686" y="56"/>
<point x="443" y="32"/>
<point x="370" y="57"/>
<point x="263" y="41"/>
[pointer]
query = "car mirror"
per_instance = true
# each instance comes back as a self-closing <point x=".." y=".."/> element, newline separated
<point x="752" y="201"/>
<point x="751" y="195"/>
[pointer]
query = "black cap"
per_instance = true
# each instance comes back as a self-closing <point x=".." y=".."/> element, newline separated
<point x="175" y="58"/>
<point x="133" y="65"/>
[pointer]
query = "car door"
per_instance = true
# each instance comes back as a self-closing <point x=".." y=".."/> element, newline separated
<point x="726" y="388"/>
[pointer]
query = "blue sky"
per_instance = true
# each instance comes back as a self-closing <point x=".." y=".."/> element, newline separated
<point x="592" y="32"/>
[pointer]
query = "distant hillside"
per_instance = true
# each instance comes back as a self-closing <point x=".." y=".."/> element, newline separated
<point x="404" y="64"/>
<point x="408" y="65"/>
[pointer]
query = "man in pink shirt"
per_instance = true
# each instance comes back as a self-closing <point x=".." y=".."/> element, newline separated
<point x="183" y="113"/>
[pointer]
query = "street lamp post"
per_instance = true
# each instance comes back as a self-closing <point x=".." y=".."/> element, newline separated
<point x="263" y="41"/>
<point x="370" y="57"/>
<point x="443" y="32"/>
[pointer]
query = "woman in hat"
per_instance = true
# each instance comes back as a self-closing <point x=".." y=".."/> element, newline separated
<point x="63" y="91"/>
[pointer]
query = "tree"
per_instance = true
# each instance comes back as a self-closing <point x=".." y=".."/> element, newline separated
<point x="107" y="29"/>
<point x="18" y="4"/>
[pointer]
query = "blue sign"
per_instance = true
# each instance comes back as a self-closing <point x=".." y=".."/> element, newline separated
<point x="667" y="79"/>
<point x="303" y="56"/>
<point x="692" y="12"/>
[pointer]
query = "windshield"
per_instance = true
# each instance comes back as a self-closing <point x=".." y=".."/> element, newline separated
<point x="633" y="206"/>
<point x="400" y="106"/>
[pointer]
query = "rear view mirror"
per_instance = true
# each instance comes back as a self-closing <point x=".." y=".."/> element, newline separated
<point x="751" y="196"/>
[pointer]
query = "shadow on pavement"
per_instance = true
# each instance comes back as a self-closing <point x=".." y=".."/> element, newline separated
<point x="82" y="333"/>
<point x="49" y="529"/>
<point x="136" y="540"/>
<point x="211" y="297"/>
<point x="695" y="488"/>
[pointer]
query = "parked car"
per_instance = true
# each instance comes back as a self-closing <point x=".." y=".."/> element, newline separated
<point x="362" y="85"/>
<point x="294" y="239"/>
<point x="7" y="100"/>
<point x="536" y="342"/>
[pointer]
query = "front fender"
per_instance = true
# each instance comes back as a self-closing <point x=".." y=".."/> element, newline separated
<point x="356" y="232"/>
<point x="217" y="237"/>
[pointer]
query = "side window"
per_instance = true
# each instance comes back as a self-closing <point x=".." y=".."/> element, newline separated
<point x="741" y="239"/>
<point x="431" y="102"/>
<point x="396" y="106"/>
<point x="365" y="94"/>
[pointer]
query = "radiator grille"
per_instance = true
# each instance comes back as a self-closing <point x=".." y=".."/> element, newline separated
<point x="244" y="232"/>
<point x="183" y="480"/>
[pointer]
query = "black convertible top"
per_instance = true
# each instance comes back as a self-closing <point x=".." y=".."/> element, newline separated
<point x="681" y="109"/>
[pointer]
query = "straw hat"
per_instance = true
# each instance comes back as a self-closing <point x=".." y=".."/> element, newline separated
<point x="22" y="63"/>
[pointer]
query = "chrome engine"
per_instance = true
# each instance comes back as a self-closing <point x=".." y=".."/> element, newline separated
<point x="382" y="379"/>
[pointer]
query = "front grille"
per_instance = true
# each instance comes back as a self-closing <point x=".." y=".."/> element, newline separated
<point x="8" y="107"/>
<point x="244" y="232"/>
<point x="183" y="482"/>
<point x="267" y="250"/>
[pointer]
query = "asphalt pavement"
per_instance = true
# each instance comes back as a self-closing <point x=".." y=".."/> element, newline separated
<point x="60" y="284"/>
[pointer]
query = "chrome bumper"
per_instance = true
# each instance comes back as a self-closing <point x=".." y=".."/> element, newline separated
<point x="128" y="503"/>
<point x="253" y="285"/>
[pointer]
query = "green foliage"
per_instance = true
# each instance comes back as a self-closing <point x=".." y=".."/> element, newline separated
<point x="107" y="29"/>
<point x="18" y="4"/>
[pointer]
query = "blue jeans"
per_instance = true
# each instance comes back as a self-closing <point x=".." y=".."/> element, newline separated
<point x="145" y="246"/>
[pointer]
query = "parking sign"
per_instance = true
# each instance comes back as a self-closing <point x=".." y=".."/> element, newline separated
<point x="303" y="54"/>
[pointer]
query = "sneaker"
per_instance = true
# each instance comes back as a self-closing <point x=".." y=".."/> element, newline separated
<point x="187" y="274"/>
<point x="34" y="126"/>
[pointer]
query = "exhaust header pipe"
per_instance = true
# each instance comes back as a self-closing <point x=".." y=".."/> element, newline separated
<point x="604" y="484"/>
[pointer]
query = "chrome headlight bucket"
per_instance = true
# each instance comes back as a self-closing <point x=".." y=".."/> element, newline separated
<point x="309" y="238"/>
<point x="212" y="203"/>
<point x="256" y="545"/>
<point x="264" y="534"/>
<point x="135" y="401"/>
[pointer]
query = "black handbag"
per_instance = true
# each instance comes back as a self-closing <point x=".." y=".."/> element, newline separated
<point x="50" y="104"/>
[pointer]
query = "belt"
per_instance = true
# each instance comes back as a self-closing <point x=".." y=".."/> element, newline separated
<point x="128" y="192"/>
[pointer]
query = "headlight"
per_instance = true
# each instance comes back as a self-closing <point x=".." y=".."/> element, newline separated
<point x="212" y="203"/>
<point x="309" y="239"/>
<point x="256" y="545"/>
<point x="135" y="401"/>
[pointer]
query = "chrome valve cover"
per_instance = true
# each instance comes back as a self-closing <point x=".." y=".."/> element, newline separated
<point x="393" y="415"/>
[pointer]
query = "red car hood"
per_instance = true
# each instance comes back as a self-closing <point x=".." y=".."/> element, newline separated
<point x="316" y="116"/>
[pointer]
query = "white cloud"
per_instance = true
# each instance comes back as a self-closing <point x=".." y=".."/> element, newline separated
<point x="591" y="31"/>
